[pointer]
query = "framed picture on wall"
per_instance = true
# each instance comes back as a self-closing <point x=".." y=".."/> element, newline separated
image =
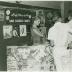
<point x="23" y="31"/>
<point x="7" y="31"/>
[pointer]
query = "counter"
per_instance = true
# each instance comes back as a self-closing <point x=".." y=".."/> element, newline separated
<point x="35" y="58"/>
<point x="26" y="58"/>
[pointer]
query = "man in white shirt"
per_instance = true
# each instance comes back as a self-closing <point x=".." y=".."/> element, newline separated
<point x="58" y="34"/>
<point x="70" y="25"/>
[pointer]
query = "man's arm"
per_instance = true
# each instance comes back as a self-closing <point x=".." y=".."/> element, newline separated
<point x="38" y="32"/>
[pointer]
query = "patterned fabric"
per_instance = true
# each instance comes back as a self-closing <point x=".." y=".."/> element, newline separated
<point x="33" y="58"/>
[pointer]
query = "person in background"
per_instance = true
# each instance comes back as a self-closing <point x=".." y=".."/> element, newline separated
<point x="58" y="38"/>
<point x="36" y="34"/>
<point x="43" y="29"/>
<point x="48" y="21"/>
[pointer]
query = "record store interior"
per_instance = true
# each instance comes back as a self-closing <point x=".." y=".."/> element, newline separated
<point x="36" y="36"/>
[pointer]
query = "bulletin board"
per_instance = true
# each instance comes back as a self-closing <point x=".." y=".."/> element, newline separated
<point x="16" y="27"/>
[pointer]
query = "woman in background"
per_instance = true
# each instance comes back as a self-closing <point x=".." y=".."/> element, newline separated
<point x="36" y="33"/>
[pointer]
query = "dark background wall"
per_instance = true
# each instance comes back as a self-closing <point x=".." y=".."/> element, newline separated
<point x="48" y="4"/>
<point x="4" y="43"/>
<point x="67" y="7"/>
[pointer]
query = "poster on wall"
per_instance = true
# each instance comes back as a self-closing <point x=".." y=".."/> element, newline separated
<point x="23" y="30"/>
<point x="15" y="31"/>
<point x="7" y="31"/>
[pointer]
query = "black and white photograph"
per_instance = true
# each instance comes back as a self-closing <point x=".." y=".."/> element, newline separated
<point x="7" y="31"/>
<point x="36" y="36"/>
<point x="23" y="30"/>
<point x="15" y="31"/>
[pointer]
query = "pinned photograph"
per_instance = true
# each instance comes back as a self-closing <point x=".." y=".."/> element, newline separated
<point x="23" y="30"/>
<point x="7" y="31"/>
<point x="15" y="31"/>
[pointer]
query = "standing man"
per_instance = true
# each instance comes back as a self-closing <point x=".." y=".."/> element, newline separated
<point x="58" y="36"/>
<point x="70" y="25"/>
<point x="48" y="21"/>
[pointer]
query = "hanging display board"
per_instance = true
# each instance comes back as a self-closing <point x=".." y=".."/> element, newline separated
<point x="17" y="22"/>
<point x="16" y="26"/>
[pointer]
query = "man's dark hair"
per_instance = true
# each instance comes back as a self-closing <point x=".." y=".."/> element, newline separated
<point x="58" y="14"/>
<point x="56" y="17"/>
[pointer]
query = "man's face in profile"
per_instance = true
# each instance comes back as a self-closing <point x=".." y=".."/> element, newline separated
<point x="49" y="15"/>
<point x="60" y="19"/>
<point x="55" y="18"/>
<point x="69" y="18"/>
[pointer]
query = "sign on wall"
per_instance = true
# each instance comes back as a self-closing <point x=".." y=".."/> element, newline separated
<point x="18" y="16"/>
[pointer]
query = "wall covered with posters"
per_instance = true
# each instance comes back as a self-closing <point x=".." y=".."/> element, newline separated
<point x="16" y="27"/>
<point x="18" y="21"/>
<point x="15" y="23"/>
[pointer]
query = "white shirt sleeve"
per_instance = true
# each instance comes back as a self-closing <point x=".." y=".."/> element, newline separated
<point x="51" y="34"/>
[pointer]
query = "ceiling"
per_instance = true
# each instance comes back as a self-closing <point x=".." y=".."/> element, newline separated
<point x="48" y="4"/>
